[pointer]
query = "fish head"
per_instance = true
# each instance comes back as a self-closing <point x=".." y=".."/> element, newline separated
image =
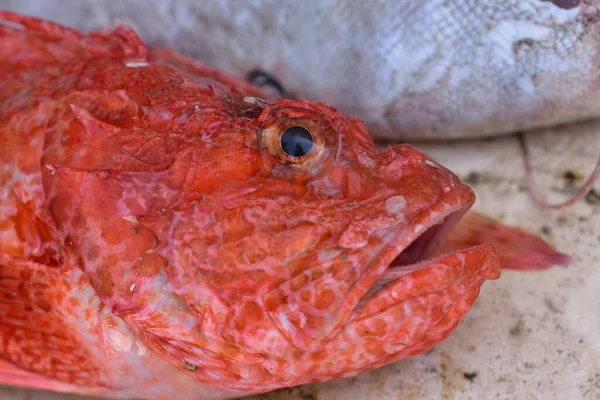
<point x="320" y="251"/>
<point x="255" y="244"/>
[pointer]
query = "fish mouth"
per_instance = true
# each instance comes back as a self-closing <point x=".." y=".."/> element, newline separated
<point x="424" y="243"/>
<point x="392" y="251"/>
<point x="417" y="249"/>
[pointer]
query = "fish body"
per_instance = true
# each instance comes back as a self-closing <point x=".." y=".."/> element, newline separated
<point x="167" y="231"/>
<point x="431" y="69"/>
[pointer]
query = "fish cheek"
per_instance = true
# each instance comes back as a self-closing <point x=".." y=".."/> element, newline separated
<point x="311" y="308"/>
<point x="113" y="250"/>
<point x="226" y="164"/>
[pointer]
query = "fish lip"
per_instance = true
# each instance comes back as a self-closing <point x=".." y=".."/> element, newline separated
<point x="431" y="235"/>
<point x="390" y="264"/>
<point x="455" y="204"/>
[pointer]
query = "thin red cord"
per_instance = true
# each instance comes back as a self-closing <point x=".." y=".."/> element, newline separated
<point x="534" y="190"/>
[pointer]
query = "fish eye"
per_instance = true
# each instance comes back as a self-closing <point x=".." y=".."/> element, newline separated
<point x="266" y="81"/>
<point x="297" y="141"/>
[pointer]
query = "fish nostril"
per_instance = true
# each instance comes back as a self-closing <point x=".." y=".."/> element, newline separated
<point x="398" y="159"/>
<point x="404" y="154"/>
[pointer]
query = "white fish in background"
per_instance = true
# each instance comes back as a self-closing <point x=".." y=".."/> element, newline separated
<point x="411" y="70"/>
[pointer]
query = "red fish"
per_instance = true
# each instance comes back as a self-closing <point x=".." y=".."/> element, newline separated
<point x="168" y="232"/>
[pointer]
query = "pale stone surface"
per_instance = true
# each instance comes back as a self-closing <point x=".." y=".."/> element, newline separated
<point x="530" y="335"/>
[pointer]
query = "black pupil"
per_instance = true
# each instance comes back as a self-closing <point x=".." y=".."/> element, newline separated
<point x="296" y="141"/>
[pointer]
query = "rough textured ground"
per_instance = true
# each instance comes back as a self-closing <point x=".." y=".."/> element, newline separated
<point x="530" y="335"/>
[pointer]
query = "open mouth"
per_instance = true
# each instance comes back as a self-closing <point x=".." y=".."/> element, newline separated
<point x="419" y="239"/>
<point x="422" y="248"/>
<point x="408" y="246"/>
<point x="428" y="240"/>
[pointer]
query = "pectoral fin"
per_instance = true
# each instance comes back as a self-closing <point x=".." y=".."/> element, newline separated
<point x="517" y="249"/>
<point x="39" y="344"/>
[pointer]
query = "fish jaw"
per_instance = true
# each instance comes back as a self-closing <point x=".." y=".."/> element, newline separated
<point x="393" y="311"/>
<point x="415" y="312"/>
<point x="407" y="311"/>
<point x="309" y="327"/>
<point x="408" y="316"/>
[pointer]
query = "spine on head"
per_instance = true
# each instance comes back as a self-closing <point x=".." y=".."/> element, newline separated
<point x="28" y="42"/>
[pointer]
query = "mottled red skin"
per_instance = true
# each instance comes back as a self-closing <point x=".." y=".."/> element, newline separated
<point x="145" y="205"/>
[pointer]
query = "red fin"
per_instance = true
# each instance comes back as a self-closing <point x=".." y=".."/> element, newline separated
<point x="14" y="376"/>
<point x="37" y="332"/>
<point x="517" y="249"/>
